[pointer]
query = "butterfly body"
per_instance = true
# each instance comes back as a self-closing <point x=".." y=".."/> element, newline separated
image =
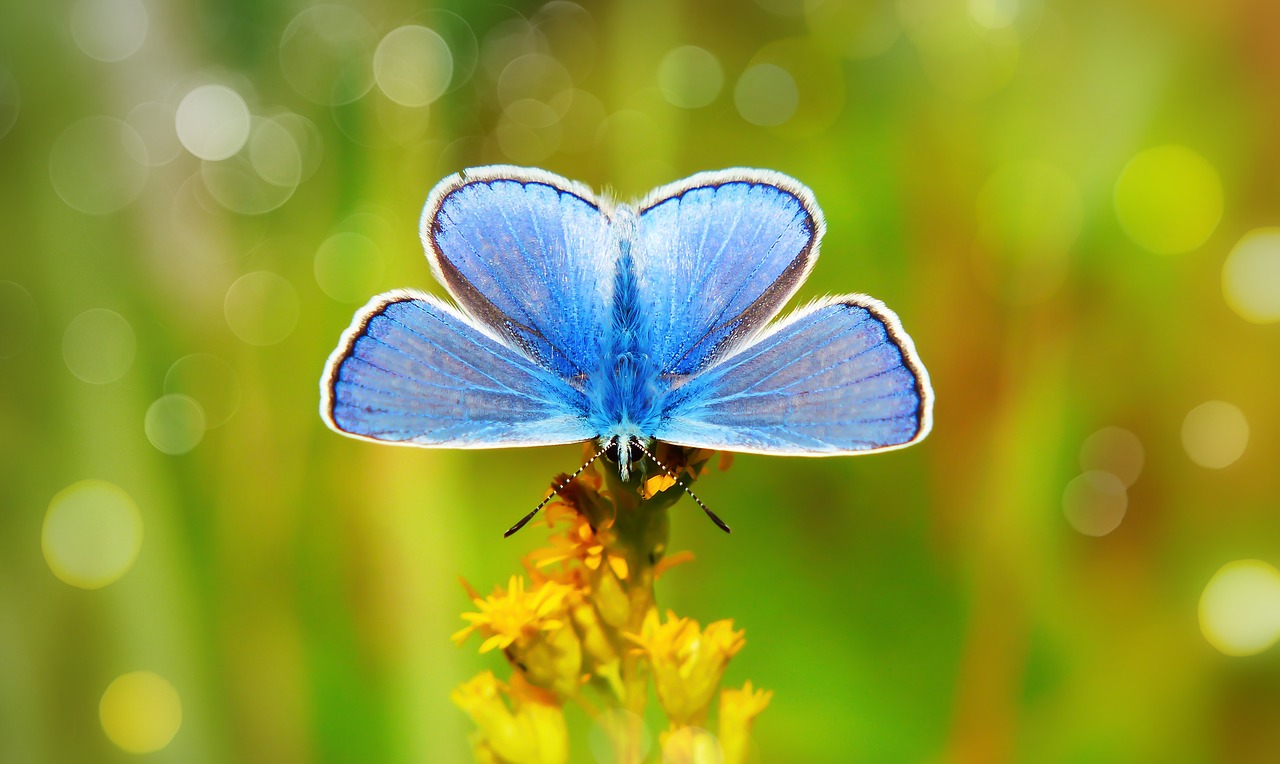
<point x="581" y="319"/>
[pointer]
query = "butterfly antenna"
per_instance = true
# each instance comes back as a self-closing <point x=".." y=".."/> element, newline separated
<point x="525" y="520"/>
<point x="719" y="523"/>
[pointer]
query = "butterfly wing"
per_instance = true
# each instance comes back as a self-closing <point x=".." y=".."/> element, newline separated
<point x="529" y="254"/>
<point x="837" y="377"/>
<point x="716" y="256"/>
<point x="414" y="370"/>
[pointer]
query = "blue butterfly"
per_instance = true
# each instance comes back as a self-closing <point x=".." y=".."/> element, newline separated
<point x="578" y="318"/>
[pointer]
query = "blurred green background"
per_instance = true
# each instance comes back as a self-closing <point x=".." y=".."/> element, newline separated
<point x="1067" y="203"/>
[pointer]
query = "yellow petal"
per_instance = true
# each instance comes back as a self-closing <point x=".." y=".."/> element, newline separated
<point x="670" y="561"/>
<point x="495" y="641"/>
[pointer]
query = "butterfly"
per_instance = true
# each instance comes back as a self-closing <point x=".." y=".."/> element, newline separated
<point x="577" y="318"/>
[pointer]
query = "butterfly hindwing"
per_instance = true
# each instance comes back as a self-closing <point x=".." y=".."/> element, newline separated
<point x="716" y="256"/>
<point x="529" y="254"/>
<point x="413" y="370"/>
<point x="837" y="377"/>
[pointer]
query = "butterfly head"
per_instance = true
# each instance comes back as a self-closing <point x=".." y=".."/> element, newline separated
<point x="626" y="450"/>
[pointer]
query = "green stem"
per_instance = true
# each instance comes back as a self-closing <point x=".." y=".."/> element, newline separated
<point x="639" y="535"/>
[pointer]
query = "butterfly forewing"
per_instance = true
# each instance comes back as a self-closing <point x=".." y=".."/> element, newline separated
<point x="716" y="256"/>
<point x="532" y="256"/>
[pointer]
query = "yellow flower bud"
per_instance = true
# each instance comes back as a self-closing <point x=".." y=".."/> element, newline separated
<point x="687" y="662"/>
<point x="610" y="598"/>
<point x="738" y="711"/>
<point x="550" y="659"/>
<point x="529" y="731"/>
<point x="596" y="643"/>
<point x="691" y="745"/>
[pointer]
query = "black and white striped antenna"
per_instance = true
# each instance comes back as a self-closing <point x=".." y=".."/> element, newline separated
<point x="555" y="491"/>
<point x="719" y="523"/>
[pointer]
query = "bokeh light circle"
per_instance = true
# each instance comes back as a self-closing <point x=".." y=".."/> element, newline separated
<point x="263" y="176"/>
<point x="963" y="59"/>
<point x="528" y="132"/>
<point x="766" y="95"/>
<point x="569" y="34"/>
<point x="993" y="14"/>
<point x="109" y="30"/>
<point x="98" y="346"/>
<point x="1168" y="199"/>
<point x="1240" y="608"/>
<point x="10" y="101"/>
<point x="274" y="153"/>
<point x="580" y="125"/>
<point x="174" y="424"/>
<point x="694" y="744"/>
<point x="154" y="122"/>
<point x="464" y="48"/>
<point x="536" y="76"/>
<point x="308" y="139"/>
<point x="1251" y="276"/>
<point x="92" y="534"/>
<point x="208" y="380"/>
<point x="326" y="54"/>
<point x="236" y="185"/>
<point x="1215" y="434"/>
<point x="1095" y="502"/>
<point x="532" y="113"/>
<point x="348" y="267"/>
<point x="690" y="77"/>
<point x="508" y="40"/>
<point x="140" y="712"/>
<point x="94" y="165"/>
<point x="261" y="308"/>
<point x="213" y="122"/>
<point x="818" y="78"/>
<point x="1114" y="450"/>
<point x="413" y="65"/>
<point x="18" y="316"/>
<point x="403" y="125"/>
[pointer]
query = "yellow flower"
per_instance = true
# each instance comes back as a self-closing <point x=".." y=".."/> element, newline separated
<point x="579" y="542"/>
<point x="689" y="461"/>
<point x="505" y="617"/>
<point x="687" y="662"/>
<point x="738" y="711"/>
<point x="529" y="730"/>
<point x="691" y="745"/>
<point x="656" y="485"/>
<point x="532" y="629"/>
